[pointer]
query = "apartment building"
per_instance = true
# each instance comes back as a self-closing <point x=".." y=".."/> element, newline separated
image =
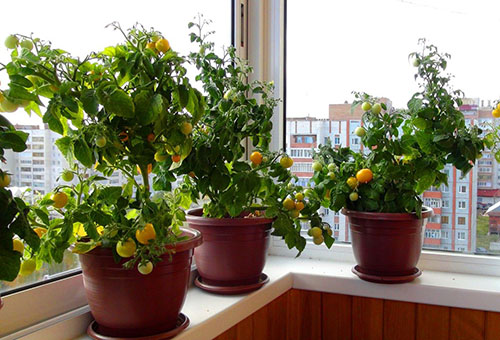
<point x="453" y="226"/>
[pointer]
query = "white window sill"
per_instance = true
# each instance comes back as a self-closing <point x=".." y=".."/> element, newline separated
<point x="211" y="314"/>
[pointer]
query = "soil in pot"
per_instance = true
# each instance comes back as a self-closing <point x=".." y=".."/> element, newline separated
<point x="234" y="250"/>
<point x="126" y="303"/>
<point x="387" y="246"/>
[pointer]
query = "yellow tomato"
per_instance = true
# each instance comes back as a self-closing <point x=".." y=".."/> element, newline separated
<point x="18" y="245"/>
<point x="40" y="231"/>
<point x="60" y="200"/>
<point x="299" y="206"/>
<point x="286" y="162"/>
<point x="256" y="157"/>
<point x="364" y="175"/>
<point x="288" y="204"/>
<point x="352" y="182"/>
<point x="162" y="45"/>
<point x="126" y="249"/>
<point x="4" y="180"/>
<point x="146" y="234"/>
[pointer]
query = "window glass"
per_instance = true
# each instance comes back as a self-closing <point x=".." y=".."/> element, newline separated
<point x="39" y="167"/>
<point x="363" y="45"/>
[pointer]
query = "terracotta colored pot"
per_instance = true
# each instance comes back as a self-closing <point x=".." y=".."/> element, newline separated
<point x="387" y="245"/>
<point x="234" y="250"/>
<point x="126" y="303"/>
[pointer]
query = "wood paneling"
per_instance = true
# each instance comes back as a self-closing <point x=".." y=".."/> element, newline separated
<point x="304" y="315"/>
<point x="367" y="318"/>
<point x="399" y="320"/>
<point x="433" y="322"/>
<point x="337" y="310"/>
<point x="492" y="326"/>
<point x="466" y="324"/>
<point x="270" y="322"/>
<point x="307" y="315"/>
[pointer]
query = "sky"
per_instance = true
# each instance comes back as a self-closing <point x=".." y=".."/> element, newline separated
<point x="334" y="47"/>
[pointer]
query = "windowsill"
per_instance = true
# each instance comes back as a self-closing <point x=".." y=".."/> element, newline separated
<point x="211" y="314"/>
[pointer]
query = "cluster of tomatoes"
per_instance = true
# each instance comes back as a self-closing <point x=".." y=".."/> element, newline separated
<point x="257" y="159"/>
<point x="363" y="176"/>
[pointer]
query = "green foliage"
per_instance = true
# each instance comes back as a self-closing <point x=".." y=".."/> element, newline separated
<point x="13" y="211"/>
<point x="408" y="148"/>
<point x="238" y="113"/>
<point x="114" y="109"/>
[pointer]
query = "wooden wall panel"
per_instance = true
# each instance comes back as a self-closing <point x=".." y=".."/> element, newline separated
<point x="367" y="318"/>
<point x="307" y="315"/>
<point x="336" y="318"/>
<point x="399" y="320"/>
<point x="270" y="322"/>
<point x="433" y="322"/>
<point x="466" y="324"/>
<point x="492" y="326"/>
<point x="303" y="315"/>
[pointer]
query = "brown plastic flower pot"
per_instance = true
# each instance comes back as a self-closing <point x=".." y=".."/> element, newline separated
<point x="126" y="303"/>
<point x="387" y="246"/>
<point x="234" y="250"/>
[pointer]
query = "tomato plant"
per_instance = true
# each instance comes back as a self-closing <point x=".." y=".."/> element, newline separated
<point x="239" y="111"/>
<point x="408" y="148"/>
<point x="115" y="110"/>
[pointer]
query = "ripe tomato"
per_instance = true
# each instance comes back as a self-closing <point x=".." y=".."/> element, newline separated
<point x="364" y="175"/>
<point x="286" y="162"/>
<point x="151" y="45"/>
<point x="126" y="249"/>
<point x="299" y="206"/>
<point x="4" y="180"/>
<point x="60" y="200"/>
<point x="162" y="45"/>
<point x="146" y="234"/>
<point x="316" y="232"/>
<point x="176" y="158"/>
<point x="256" y="157"/>
<point x="123" y="136"/>
<point x="318" y="240"/>
<point x="151" y="137"/>
<point x="352" y="182"/>
<point x="496" y="113"/>
<point x="288" y="204"/>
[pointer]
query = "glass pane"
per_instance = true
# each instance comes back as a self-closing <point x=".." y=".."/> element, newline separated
<point x="79" y="28"/>
<point x="363" y="45"/>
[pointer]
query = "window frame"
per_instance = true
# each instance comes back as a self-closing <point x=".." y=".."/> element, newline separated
<point x="446" y="261"/>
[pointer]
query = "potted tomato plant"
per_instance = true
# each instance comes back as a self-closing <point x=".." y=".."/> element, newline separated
<point x="244" y="201"/>
<point x="15" y="230"/>
<point x="380" y="190"/>
<point x="118" y="110"/>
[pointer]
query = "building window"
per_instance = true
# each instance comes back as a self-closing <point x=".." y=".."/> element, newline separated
<point x="433" y="233"/>
<point x="445" y="219"/>
<point x="432" y="202"/>
<point x="446" y="203"/>
<point x="461" y="204"/>
<point x="38" y="154"/>
<point x="461" y="235"/>
<point x="461" y="220"/>
<point x="336" y="226"/>
<point x="462" y="189"/>
<point x="336" y="141"/>
<point x="445" y="235"/>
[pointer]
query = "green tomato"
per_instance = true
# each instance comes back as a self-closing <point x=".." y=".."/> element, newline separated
<point x="331" y="175"/>
<point x="366" y="106"/>
<point x="27" y="44"/>
<point x="8" y="106"/>
<point x="377" y="108"/>
<point x="146" y="268"/>
<point x="317" y="166"/>
<point x="416" y="63"/>
<point x="67" y="176"/>
<point x="100" y="141"/>
<point x="353" y="196"/>
<point x="332" y="167"/>
<point x="11" y="42"/>
<point x="360" y="131"/>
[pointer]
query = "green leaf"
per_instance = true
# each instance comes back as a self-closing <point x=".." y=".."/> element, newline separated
<point x="110" y="194"/>
<point x="89" y="101"/>
<point x="11" y="263"/>
<point x="425" y="181"/>
<point x="83" y="247"/>
<point x="53" y="121"/>
<point x="14" y="140"/>
<point x="20" y="80"/>
<point x="83" y="153"/>
<point x="18" y="92"/>
<point x="65" y="145"/>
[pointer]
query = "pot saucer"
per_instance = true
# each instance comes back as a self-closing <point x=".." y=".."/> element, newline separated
<point x="386" y="279"/>
<point x="182" y="323"/>
<point x="231" y="290"/>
